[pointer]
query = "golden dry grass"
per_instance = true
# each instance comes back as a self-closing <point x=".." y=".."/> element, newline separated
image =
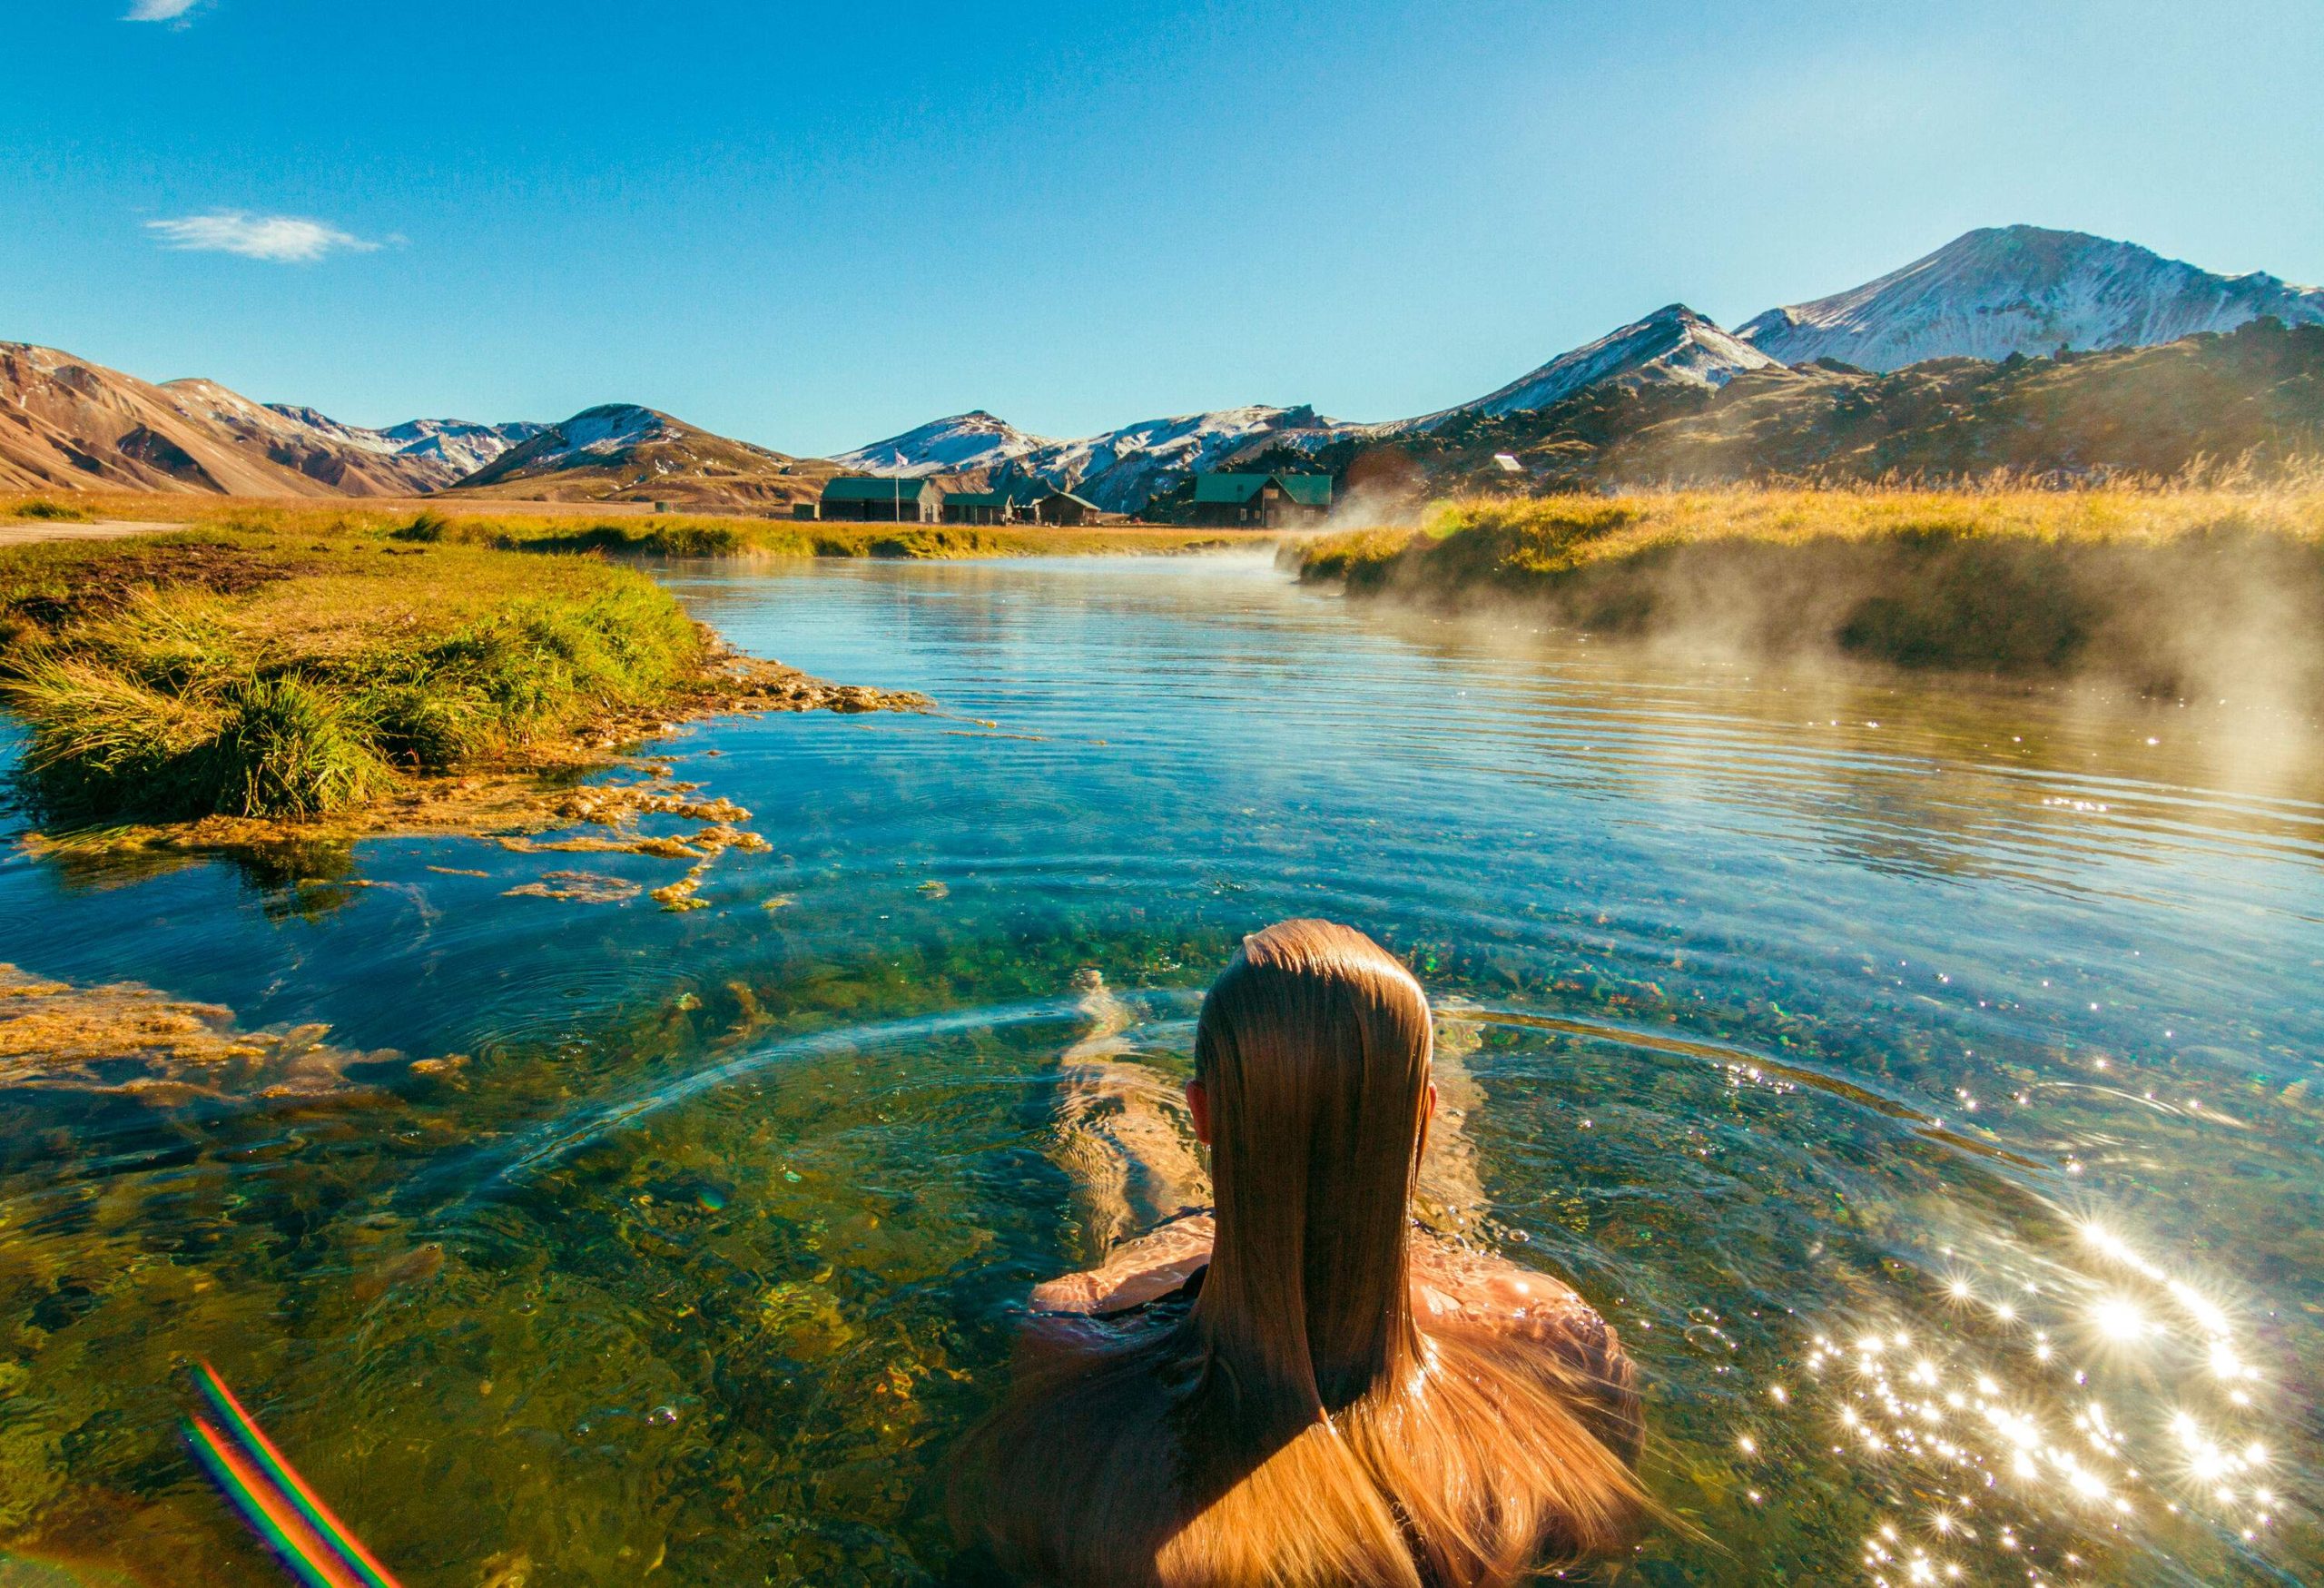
<point x="2170" y="587"/>
<point x="626" y="528"/>
<point x="1545" y="535"/>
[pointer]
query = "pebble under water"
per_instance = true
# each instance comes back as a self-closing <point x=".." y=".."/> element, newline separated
<point x="1921" y="1076"/>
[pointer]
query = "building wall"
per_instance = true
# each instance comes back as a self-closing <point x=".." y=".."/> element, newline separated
<point x="886" y="510"/>
<point x="1258" y="513"/>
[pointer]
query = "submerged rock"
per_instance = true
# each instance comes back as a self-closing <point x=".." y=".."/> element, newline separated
<point x="580" y="887"/>
<point x="121" y="1037"/>
<point x="416" y="1267"/>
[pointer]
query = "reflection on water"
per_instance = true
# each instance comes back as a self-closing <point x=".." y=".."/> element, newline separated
<point x="1919" y="1076"/>
<point x="2000" y="1430"/>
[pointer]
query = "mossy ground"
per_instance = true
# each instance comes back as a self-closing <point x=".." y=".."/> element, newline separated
<point x="247" y="673"/>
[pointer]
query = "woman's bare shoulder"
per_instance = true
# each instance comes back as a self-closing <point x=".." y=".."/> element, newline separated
<point x="1454" y="1284"/>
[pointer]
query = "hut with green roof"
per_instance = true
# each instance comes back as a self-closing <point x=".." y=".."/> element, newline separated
<point x="1262" y="501"/>
<point x="882" y="499"/>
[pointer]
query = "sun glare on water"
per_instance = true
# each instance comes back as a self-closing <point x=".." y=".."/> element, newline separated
<point x="2026" y="1439"/>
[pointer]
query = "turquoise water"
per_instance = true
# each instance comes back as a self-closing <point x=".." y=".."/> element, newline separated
<point x="1918" y="1075"/>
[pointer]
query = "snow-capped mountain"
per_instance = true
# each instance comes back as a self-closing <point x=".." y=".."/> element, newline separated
<point x="1117" y="469"/>
<point x="463" y="445"/>
<point x="594" y="439"/>
<point x="1672" y="345"/>
<point x="600" y="432"/>
<point x="959" y="445"/>
<point x="358" y="461"/>
<point x="1120" y="469"/>
<point x="2010" y="290"/>
<point x="622" y="451"/>
<point x="459" y="447"/>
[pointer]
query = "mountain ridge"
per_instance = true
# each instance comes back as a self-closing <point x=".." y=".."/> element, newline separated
<point x="2255" y="392"/>
<point x="2004" y="290"/>
<point x="1989" y="294"/>
<point x="69" y="423"/>
<point x="458" y="446"/>
<point x="625" y="452"/>
<point x="1672" y="345"/>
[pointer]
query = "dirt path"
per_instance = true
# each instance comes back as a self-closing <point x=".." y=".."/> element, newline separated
<point x="29" y="530"/>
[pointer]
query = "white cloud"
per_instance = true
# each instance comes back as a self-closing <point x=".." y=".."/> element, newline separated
<point x="283" y="238"/>
<point x="159" y="10"/>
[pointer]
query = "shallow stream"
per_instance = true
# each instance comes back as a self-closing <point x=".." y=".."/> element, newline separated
<point x="1921" y="1077"/>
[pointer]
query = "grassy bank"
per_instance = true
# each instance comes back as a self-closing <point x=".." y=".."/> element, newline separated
<point x="240" y="673"/>
<point x="557" y="527"/>
<point x="2172" y="589"/>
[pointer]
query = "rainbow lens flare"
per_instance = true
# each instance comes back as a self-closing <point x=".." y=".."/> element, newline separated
<point x="262" y="1485"/>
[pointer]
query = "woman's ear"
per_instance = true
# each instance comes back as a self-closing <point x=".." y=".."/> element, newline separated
<point x="1198" y="1105"/>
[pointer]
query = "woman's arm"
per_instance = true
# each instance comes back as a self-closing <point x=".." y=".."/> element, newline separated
<point x="1122" y="1134"/>
<point x="1141" y="1271"/>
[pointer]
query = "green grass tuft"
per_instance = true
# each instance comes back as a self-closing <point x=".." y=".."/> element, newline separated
<point x="99" y="732"/>
<point x="58" y="512"/>
<point x="427" y="527"/>
<point x="106" y="745"/>
<point x="288" y="748"/>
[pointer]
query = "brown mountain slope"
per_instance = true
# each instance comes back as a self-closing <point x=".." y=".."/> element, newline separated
<point x="2256" y="391"/>
<point x="285" y="439"/>
<point x="2253" y="393"/>
<point x="622" y="452"/>
<point x="68" y="424"/>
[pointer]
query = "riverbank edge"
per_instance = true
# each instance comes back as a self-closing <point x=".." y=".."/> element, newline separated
<point x="526" y="776"/>
<point x="2173" y="596"/>
<point x="621" y="530"/>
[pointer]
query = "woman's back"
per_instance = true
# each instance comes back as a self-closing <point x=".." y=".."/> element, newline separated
<point x="1327" y="1400"/>
<point x="1506" y="1452"/>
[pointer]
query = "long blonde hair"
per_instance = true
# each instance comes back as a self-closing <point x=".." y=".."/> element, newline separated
<point x="1298" y="1427"/>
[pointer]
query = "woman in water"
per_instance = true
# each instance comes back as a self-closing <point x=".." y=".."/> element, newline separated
<point x="1302" y="1390"/>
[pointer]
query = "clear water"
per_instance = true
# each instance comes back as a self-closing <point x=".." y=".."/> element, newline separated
<point x="1921" y="1077"/>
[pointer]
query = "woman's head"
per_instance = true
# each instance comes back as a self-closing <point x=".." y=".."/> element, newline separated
<point x="1312" y="1078"/>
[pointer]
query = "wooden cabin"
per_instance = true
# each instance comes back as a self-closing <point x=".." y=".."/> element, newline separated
<point x="882" y="499"/>
<point x="1262" y="501"/>
<point x="1062" y="507"/>
<point x="976" y="506"/>
<point x="1022" y="502"/>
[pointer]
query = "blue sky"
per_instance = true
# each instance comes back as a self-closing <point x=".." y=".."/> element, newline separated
<point x="813" y="226"/>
